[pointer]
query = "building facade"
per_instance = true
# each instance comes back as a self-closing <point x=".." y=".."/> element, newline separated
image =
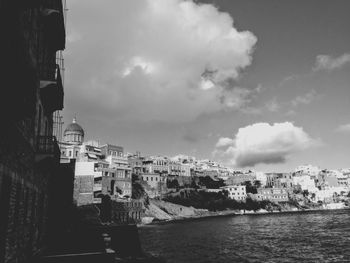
<point x="73" y="138"/>
<point x="29" y="154"/>
<point x="155" y="184"/>
<point x="272" y="194"/>
<point x="236" y="192"/>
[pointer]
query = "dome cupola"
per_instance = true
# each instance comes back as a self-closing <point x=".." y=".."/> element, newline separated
<point x="74" y="133"/>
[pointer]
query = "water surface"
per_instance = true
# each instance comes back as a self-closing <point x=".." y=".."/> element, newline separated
<point x="322" y="236"/>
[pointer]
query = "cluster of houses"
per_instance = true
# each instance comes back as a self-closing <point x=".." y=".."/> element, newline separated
<point x="319" y="185"/>
<point x="105" y="169"/>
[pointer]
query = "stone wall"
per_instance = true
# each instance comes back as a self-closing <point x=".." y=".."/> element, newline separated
<point x="23" y="201"/>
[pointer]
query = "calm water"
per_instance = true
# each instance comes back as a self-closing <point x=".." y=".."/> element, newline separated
<point x="294" y="237"/>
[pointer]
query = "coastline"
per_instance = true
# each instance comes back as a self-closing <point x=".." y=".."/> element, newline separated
<point x="226" y="213"/>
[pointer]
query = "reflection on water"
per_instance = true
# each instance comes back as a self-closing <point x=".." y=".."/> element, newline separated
<point x="293" y="237"/>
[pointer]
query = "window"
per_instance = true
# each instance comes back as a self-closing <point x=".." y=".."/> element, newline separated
<point x="70" y="153"/>
<point x="76" y="153"/>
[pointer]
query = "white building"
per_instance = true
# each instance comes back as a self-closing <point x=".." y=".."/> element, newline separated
<point x="87" y="183"/>
<point x="260" y="176"/>
<point x="185" y="170"/>
<point x="308" y="169"/>
<point x="305" y="182"/>
<point x="236" y="192"/>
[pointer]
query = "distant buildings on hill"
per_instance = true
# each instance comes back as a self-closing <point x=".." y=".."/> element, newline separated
<point x="105" y="169"/>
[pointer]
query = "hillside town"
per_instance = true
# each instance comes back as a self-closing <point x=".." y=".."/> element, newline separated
<point x="107" y="170"/>
<point x="65" y="197"/>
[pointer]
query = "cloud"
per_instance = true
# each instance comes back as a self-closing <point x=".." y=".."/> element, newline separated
<point x="224" y="142"/>
<point x="155" y="59"/>
<point x="305" y="99"/>
<point x="272" y="105"/>
<point x="263" y="143"/>
<point x="326" y="62"/>
<point x="344" y="128"/>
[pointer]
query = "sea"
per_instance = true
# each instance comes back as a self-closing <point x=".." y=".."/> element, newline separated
<point x="317" y="236"/>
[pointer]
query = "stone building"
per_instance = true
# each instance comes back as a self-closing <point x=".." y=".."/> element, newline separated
<point x="127" y="212"/>
<point x="73" y="137"/>
<point x="279" y="180"/>
<point x="155" y="184"/>
<point x="101" y="171"/>
<point x="272" y="194"/>
<point x="135" y="163"/>
<point x="236" y="192"/>
<point x="33" y="31"/>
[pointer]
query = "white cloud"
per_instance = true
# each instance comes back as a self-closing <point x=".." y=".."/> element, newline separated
<point x="305" y="99"/>
<point x="224" y="142"/>
<point x="263" y="143"/>
<point x="344" y="128"/>
<point x="145" y="66"/>
<point x="156" y="59"/>
<point x="326" y="62"/>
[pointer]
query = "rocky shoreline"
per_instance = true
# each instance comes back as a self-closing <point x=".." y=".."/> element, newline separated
<point x="160" y="212"/>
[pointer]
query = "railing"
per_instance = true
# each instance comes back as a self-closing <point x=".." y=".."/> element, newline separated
<point x="48" y="145"/>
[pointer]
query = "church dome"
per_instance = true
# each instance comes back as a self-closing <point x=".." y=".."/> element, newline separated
<point x="74" y="127"/>
<point x="74" y="133"/>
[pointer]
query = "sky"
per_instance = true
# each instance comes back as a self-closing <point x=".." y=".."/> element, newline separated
<point x="261" y="85"/>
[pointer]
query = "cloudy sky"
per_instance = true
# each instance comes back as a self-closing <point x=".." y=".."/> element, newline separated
<point x="262" y="84"/>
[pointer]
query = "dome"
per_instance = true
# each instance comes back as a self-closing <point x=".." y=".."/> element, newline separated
<point x="74" y="133"/>
<point x="74" y="127"/>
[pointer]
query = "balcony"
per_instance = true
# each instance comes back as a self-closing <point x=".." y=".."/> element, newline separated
<point x="47" y="147"/>
<point x="51" y="92"/>
<point x="54" y="28"/>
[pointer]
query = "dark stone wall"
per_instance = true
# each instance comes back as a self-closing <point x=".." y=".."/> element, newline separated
<point x="24" y="198"/>
<point x="24" y="181"/>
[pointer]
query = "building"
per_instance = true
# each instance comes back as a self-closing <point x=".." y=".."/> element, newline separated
<point x="33" y="32"/>
<point x="90" y="152"/>
<point x="156" y="164"/>
<point x="272" y="194"/>
<point x="236" y="192"/>
<point x="175" y="168"/>
<point x="185" y="170"/>
<point x="73" y="138"/>
<point x="327" y="179"/>
<point x="307" y="169"/>
<point x="116" y="182"/>
<point x="261" y="177"/>
<point x="279" y="180"/>
<point x="305" y="183"/>
<point x="101" y="170"/>
<point x="87" y="183"/>
<point x="155" y="184"/>
<point x="135" y="163"/>
<point x="127" y="212"/>
<point x="240" y="179"/>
